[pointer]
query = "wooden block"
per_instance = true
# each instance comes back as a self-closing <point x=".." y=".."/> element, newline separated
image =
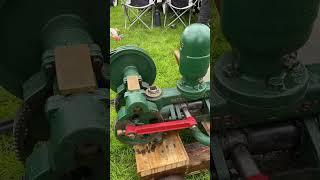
<point x="169" y="156"/>
<point x="74" y="69"/>
<point x="133" y="83"/>
<point x="199" y="156"/>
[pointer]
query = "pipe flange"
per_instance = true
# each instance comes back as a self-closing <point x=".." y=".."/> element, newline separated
<point x="153" y="91"/>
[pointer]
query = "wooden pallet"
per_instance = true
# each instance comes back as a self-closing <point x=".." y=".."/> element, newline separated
<point x="171" y="157"/>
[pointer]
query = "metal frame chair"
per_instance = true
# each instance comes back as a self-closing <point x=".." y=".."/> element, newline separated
<point x="179" y="12"/>
<point x="129" y="8"/>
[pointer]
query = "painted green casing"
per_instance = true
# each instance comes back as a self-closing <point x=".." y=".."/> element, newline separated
<point x="132" y="61"/>
<point x="22" y="22"/>
<point x="261" y="80"/>
<point x="77" y="130"/>
<point x="194" y="62"/>
<point x="70" y="135"/>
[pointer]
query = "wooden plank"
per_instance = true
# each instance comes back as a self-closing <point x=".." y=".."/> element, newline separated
<point x="133" y="83"/>
<point x="199" y="156"/>
<point x="169" y="156"/>
<point x="74" y="69"/>
<point x="198" y="153"/>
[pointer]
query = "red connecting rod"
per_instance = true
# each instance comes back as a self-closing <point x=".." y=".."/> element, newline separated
<point x="161" y="127"/>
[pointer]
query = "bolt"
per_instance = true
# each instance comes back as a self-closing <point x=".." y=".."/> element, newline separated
<point x="153" y="88"/>
<point x="137" y="110"/>
<point x="153" y="91"/>
<point x="131" y="136"/>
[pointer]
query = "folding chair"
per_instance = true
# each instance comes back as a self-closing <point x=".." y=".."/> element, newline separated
<point x="138" y="8"/>
<point x="179" y="8"/>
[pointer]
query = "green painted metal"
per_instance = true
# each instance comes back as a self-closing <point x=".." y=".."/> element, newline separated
<point x="136" y="107"/>
<point x="75" y="138"/>
<point x="200" y="136"/>
<point x="194" y="62"/>
<point x="124" y="118"/>
<point x="261" y="79"/>
<point x="77" y="122"/>
<point x="65" y="134"/>
<point x="263" y="82"/>
<point x="22" y="22"/>
<point x="126" y="56"/>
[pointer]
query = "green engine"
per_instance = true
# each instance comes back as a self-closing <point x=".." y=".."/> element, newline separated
<point x="52" y="57"/>
<point x="265" y="99"/>
<point x="146" y="111"/>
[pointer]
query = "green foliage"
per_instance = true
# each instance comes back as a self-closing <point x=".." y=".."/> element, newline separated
<point x="10" y="167"/>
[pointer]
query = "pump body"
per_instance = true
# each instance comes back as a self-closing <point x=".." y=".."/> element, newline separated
<point x="59" y="133"/>
<point x="264" y="98"/>
<point x="145" y="111"/>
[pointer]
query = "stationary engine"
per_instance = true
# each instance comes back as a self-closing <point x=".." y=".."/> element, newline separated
<point x="146" y="111"/>
<point x="52" y="57"/>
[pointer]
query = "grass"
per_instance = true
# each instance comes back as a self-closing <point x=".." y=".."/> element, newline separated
<point x="159" y="44"/>
<point x="10" y="167"/>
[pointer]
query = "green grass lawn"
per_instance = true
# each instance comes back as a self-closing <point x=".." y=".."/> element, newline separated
<point x="10" y="167"/>
<point x="159" y="44"/>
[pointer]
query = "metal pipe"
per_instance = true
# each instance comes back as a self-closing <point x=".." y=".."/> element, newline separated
<point x="244" y="162"/>
<point x="199" y="136"/>
<point x="261" y="140"/>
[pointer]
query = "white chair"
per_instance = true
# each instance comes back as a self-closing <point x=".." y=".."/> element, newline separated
<point x="134" y="10"/>
<point x="179" y="11"/>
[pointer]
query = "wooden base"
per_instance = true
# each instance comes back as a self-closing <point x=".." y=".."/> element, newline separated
<point x="168" y="155"/>
<point x="171" y="157"/>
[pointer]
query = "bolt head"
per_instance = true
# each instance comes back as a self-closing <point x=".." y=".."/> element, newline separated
<point x="131" y="135"/>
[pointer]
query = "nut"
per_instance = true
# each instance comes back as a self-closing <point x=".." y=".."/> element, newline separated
<point x="131" y="135"/>
<point x="153" y="91"/>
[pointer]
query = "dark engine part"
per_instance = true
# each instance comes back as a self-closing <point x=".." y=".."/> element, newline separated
<point x="53" y="58"/>
<point x="265" y="97"/>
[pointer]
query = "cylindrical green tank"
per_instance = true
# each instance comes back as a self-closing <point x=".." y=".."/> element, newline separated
<point x="262" y="78"/>
<point x="65" y="29"/>
<point x="195" y="52"/>
<point x="194" y="59"/>
<point x="263" y="31"/>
